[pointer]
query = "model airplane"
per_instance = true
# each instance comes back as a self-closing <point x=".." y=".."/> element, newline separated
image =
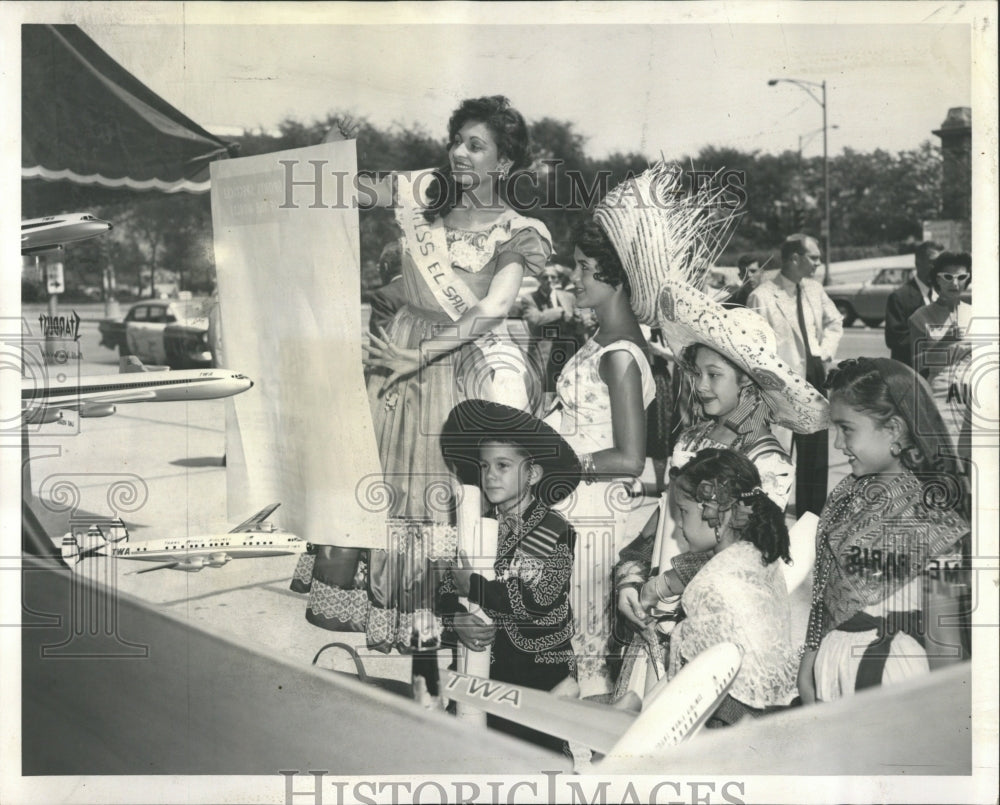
<point x="671" y="712"/>
<point x="55" y="230"/>
<point x="251" y="539"/>
<point x="98" y="395"/>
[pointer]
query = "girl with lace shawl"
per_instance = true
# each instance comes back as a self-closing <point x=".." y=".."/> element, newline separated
<point x="523" y="467"/>
<point x="740" y="389"/>
<point x="739" y="595"/>
<point x="882" y="608"/>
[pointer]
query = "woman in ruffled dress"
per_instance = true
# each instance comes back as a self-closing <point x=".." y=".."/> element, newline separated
<point x="465" y="250"/>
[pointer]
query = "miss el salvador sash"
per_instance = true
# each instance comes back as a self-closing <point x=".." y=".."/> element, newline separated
<point x="427" y="246"/>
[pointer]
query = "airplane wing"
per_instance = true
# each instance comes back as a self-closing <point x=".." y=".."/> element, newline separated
<point x="672" y="711"/>
<point x="254" y="522"/>
<point x="167" y="566"/>
<point x="596" y="725"/>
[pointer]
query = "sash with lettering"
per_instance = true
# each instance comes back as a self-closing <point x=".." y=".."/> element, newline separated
<point x="875" y="536"/>
<point x="505" y="380"/>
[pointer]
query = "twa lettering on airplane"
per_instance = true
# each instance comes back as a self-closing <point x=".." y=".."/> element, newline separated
<point x="671" y="713"/>
<point x="251" y="539"/>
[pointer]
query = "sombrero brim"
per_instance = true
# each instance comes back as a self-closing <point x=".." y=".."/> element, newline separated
<point x="472" y="421"/>
<point x="687" y="316"/>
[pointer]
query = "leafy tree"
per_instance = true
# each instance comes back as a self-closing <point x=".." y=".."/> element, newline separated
<point x="878" y="199"/>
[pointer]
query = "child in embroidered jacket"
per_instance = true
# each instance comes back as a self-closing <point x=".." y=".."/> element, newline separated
<point x="524" y="466"/>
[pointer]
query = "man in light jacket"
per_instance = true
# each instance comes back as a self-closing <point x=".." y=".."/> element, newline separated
<point x="808" y="328"/>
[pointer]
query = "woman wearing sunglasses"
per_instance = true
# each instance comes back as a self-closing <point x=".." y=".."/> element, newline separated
<point x="941" y="350"/>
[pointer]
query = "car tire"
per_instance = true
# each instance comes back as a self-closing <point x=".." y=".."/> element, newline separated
<point x="846" y="311"/>
<point x="872" y="322"/>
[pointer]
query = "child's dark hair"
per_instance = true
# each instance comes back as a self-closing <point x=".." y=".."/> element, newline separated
<point x="729" y="480"/>
<point x="861" y="385"/>
<point x="594" y="243"/>
<point x="689" y="355"/>
<point x="882" y="389"/>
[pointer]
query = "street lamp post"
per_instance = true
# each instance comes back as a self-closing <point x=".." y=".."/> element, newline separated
<point x="808" y="86"/>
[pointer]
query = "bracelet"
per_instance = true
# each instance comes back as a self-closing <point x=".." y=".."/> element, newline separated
<point x="587" y="468"/>
<point x="661" y="587"/>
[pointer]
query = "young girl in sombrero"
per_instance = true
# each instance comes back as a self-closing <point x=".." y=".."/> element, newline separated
<point x="741" y="389"/>
<point x="523" y="467"/>
<point x="645" y="231"/>
<point x="879" y="615"/>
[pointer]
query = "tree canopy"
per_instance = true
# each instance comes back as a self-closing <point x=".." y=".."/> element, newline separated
<point x="878" y="199"/>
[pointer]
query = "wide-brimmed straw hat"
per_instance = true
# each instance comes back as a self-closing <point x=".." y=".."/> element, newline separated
<point x="688" y="316"/>
<point x="472" y="422"/>
<point x="662" y="230"/>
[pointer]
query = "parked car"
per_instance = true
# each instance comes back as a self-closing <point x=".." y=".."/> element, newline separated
<point x="170" y="332"/>
<point x="866" y="300"/>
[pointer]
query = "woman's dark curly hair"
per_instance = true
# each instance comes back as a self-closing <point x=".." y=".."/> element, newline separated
<point x="509" y="131"/>
<point x="727" y="478"/>
<point x="593" y="242"/>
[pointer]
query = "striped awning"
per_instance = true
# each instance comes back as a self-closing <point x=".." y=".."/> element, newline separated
<point x="89" y="123"/>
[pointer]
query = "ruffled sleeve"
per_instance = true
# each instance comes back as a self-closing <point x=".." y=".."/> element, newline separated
<point x="776" y="476"/>
<point x="530" y="243"/>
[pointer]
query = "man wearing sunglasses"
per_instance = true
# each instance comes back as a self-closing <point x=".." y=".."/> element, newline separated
<point x="906" y="300"/>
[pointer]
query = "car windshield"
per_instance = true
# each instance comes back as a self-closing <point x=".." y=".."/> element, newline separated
<point x="892" y="276"/>
<point x="192" y="308"/>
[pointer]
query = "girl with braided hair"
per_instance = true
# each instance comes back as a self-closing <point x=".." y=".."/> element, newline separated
<point x="739" y="596"/>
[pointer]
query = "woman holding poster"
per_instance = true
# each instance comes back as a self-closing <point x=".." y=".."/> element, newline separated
<point x="465" y="251"/>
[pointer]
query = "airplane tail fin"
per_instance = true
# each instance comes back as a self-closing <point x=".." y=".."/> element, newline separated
<point x="256" y="522"/>
<point x="98" y="536"/>
<point x="130" y="363"/>
<point x="70" y="549"/>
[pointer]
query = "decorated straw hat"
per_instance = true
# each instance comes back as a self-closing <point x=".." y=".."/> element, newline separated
<point x="472" y="422"/>
<point x="687" y="317"/>
<point x="663" y="230"/>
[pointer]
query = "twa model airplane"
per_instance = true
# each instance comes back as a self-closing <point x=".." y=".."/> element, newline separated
<point x="56" y="230"/>
<point x="251" y="539"/>
<point x="98" y="395"/>
<point x="671" y="712"/>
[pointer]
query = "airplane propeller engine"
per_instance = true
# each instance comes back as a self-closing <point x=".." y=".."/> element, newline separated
<point x="96" y="409"/>
<point x="42" y="416"/>
<point x="218" y="559"/>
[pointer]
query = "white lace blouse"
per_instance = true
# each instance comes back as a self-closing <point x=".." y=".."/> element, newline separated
<point x="735" y="598"/>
